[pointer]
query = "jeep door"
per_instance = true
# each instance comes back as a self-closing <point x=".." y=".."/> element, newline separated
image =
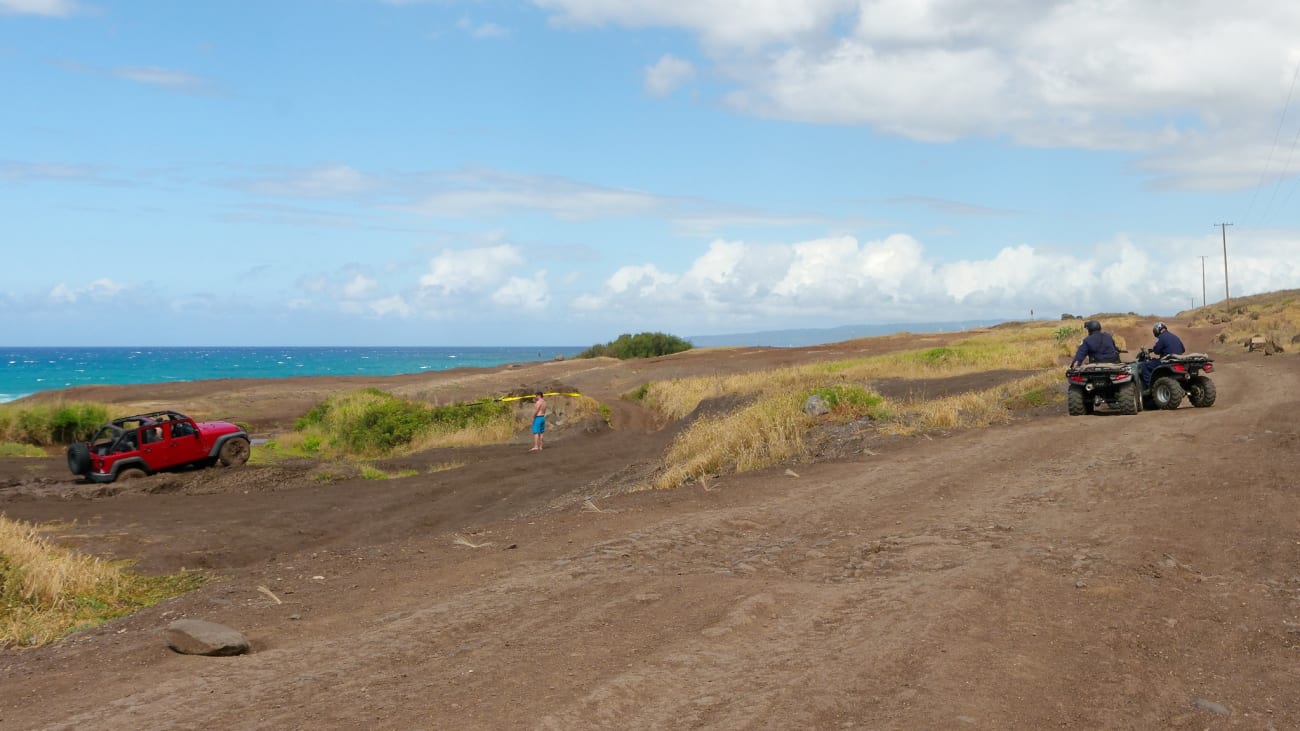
<point x="183" y="444"/>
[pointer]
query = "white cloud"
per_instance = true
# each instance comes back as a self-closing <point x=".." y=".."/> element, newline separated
<point x="838" y="280"/>
<point x="322" y="182"/>
<point x="11" y="171"/>
<point x="482" y="192"/>
<point x="359" y="286"/>
<point x="457" y="271"/>
<point x="165" y="78"/>
<point x="522" y="293"/>
<point x="721" y="22"/>
<point x="667" y="74"/>
<point x="1191" y="87"/>
<point x="490" y="30"/>
<point x="394" y="305"/>
<point x="50" y="8"/>
<point x="100" y="290"/>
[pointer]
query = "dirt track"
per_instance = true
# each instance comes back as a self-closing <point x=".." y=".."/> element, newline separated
<point x="1091" y="572"/>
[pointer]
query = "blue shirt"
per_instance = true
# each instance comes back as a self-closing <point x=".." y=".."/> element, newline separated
<point x="1168" y="344"/>
<point x="1100" y="346"/>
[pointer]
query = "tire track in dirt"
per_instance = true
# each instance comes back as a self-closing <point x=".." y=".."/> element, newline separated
<point x="1092" y="571"/>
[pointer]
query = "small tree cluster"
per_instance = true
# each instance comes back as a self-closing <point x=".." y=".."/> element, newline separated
<point x="641" y="345"/>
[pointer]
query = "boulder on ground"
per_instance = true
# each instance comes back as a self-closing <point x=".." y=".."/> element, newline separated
<point x="816" y="406"/>
<point x="200" y="637"/>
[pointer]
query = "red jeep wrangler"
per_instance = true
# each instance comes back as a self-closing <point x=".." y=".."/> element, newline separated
<point x="135" y="446"/>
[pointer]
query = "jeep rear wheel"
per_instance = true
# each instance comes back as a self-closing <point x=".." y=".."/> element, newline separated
<point x="1201" y="392"/>
<point x="79" y="458"/>
<point x="1166" y="393"/>
<point x="1074" y="401"/>
<point x="234" y="452"/>
<point x="132" y="473"/>
<point x="1127" y="399"/>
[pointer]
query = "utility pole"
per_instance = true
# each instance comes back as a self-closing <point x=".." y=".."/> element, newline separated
<point x="1226" y="296"/>
<point x="1203" y="258"/>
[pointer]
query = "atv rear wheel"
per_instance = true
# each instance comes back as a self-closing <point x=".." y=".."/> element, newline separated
<point x="1075" y="400"/>
<point x="1127" y="399"/>
<point x="234" y="452"/>
<point x="1166" y="393"/>
<point x="1201" y="392"/>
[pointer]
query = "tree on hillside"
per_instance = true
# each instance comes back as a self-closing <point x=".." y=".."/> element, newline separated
<point x="641" y="345"/>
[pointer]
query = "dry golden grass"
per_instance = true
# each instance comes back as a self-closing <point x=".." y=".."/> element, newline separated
<point x="47" y="591"/>
<point x="972" y="409"/>
<point x="37" y="571"/>
<point x="764" y="433"/>
<point x="1028" y="348"/>
<point x="1275" y="316"/>
<point x="498" y="431"/>
<point x="772" y="428"/>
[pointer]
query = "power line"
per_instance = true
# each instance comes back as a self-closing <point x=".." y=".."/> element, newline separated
<point x="1276" y="136"/>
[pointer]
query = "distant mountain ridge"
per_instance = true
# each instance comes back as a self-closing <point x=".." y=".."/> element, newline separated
<point x="822" y="336"/>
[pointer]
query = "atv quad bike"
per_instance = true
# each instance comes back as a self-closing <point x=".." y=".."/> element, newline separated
<point x="135" y="446"/>
<point x="1176" y="376"/>
<point x="1115" y="384"/>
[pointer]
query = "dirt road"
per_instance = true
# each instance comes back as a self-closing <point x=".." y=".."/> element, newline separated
<point x="1090" y="572"/>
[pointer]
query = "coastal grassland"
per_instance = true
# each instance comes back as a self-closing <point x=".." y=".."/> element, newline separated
<point x="47" y="591"/>
<point x="772" y="427"/>
<point x="1027" y="348"/>
<point x="1275" y="316"/>
<point x="46" y="425"/>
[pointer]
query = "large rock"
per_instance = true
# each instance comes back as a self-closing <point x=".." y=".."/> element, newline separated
<point x="200" y="637"/>
<point x="816" y="406"/>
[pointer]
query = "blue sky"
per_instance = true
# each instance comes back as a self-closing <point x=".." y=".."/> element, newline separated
<point x="473" y="172"/>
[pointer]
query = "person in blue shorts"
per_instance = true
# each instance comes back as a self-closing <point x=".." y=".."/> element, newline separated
<point x="539" y="421"/>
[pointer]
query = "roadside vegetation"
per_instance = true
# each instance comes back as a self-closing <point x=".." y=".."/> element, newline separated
<point x="771" y="427"/>
<point x="1274" y="316"/>
<point x="47" y="591"/>
<point x="641" y="345"/>
<point x="372" y="423"/>
<point x="46" y="425"/>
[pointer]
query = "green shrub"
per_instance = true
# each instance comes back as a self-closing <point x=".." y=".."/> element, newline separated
<point x="852" y="401"/>
<point x="641" y="345"/>
<point x="376" y="422"/>
<point x="50" y="424"/>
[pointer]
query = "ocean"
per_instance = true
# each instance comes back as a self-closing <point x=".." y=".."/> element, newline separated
<point x="24" y="371"/>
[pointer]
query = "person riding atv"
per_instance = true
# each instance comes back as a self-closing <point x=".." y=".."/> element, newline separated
<point x="1167" y="343"/>
<point x="1097" y="347"/>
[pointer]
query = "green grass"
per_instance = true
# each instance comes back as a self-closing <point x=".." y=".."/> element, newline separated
<point x="371" y="472"/>
<point x="51" y="424"/>
<point x="9" y="449"/>
<point x="375" y="423"/>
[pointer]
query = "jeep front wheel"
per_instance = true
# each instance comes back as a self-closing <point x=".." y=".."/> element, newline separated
<point x="234" y="452"/>
<point x="1166" y="393"/>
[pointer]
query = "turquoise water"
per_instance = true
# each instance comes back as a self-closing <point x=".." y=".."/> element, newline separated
<point x="24" y="371"/>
